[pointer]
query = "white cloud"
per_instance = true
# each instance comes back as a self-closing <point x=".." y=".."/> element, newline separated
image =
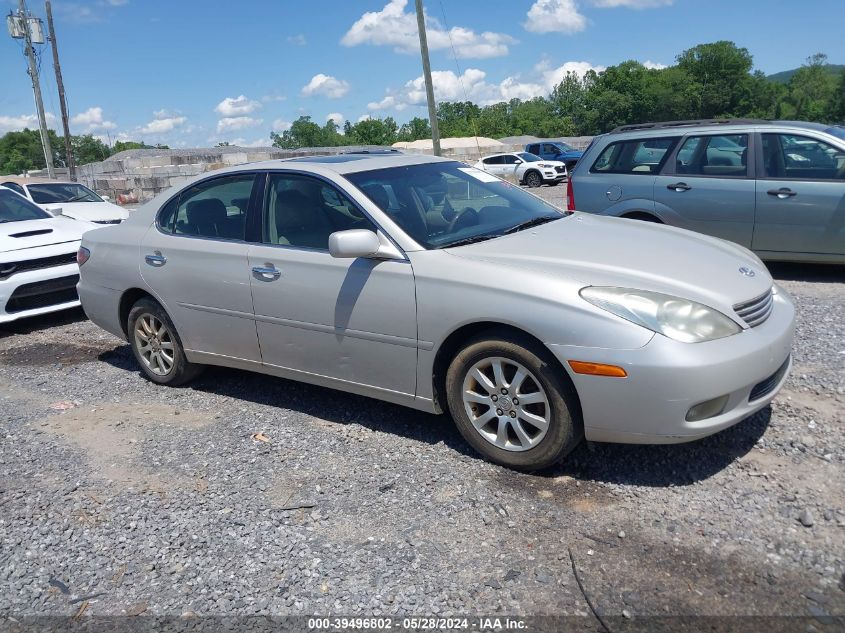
<point x="325" y="85"/>
<point x="337" y="117"/>
<point x="273" y="98"/>
<point x="92" y="120"/>
<point x="393" y="26"/>
<point x="17" y="123"/>
<point x="237" y="106"/>
<point x="364" y="117"/>
<point x="554" y="16"/>
<point x="163" y="121"/>
<point x="654" y="65"/>
<point x="472" y="85"/>
<point x="280" y="125"/>
<point x="631" y="4"/>
<point x="227" y="124"/>
<point x="297" y="40"/>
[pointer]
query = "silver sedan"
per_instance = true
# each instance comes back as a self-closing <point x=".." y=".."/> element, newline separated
<point x="431" y="284"/>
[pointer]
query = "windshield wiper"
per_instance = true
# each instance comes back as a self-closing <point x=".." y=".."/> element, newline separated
<point x="78" y="198"/>
<point x="469" y="240"/>
<point x="530" y="223"/>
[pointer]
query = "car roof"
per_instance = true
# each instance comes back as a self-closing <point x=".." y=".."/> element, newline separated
<point x="25" y="180"/>
<point x="667" y="128"/>
<point x="346" y="163"/>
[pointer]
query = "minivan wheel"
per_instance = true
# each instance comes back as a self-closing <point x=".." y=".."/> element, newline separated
<point x="511" y="404"/>
<point x="157" y="346"/>
<point x="533" y="179"/>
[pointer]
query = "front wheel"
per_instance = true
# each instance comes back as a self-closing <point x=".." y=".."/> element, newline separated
<point x="511" y="404"/>
<point x="157" y="346"/>
<point x="533" y="179"/>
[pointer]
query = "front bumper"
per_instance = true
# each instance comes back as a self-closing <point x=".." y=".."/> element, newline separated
<point x="667" y="378"/>
<point x="551" y="175"/>
<point x="37" y="292"/>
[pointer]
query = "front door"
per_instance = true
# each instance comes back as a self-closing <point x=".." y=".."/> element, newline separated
<point x="710" y="189"/>
<point x="350" y="320"/>
<point x="800" y="196"/>
<point x="195" y="260"/>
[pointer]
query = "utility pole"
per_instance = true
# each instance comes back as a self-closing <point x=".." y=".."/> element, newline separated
<point x="429" y="87"/>
<point x="71" y="164"/>
<point x="24" y="18"/>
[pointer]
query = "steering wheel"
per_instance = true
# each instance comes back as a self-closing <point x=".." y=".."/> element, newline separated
<point x="466" y="217"/>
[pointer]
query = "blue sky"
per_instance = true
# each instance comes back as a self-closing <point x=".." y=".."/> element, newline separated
<point x="193" y="73"/>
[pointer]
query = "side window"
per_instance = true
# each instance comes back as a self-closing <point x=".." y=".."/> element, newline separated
<point x="637" y="156"/>
<point x="509" y="159"/>
<point x="493" y="160"/>
<point x="533" y="149"/>
<point x="14" y="187"/>
<point x="213" y="208"/>
<point x="302" y="211"/>
<point x="722" y="155"/>
<point x="549" y="149"/>
<point x="801" y="158"/>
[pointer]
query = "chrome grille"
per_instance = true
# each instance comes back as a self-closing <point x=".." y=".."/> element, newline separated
<point x="757" y="310"/>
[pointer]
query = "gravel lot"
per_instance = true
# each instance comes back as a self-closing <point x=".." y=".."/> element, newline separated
<point x="142" y="499"/>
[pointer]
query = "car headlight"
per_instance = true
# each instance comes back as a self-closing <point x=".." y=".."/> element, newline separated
<point x="544" y="166"/>
<point x="676" y="318"/>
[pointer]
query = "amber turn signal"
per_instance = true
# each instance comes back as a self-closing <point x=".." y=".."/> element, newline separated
<point x="597" y="369"/>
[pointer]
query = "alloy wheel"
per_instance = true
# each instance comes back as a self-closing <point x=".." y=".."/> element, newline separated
<point x="154" y="343"/>
<point x="506" y="404"/>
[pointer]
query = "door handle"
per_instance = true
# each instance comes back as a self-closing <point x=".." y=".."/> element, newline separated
<point x="268" y="272"/>
<point x="679" y="186"/>
<point x="158" y="260"/>
<point x="783" y="193"/>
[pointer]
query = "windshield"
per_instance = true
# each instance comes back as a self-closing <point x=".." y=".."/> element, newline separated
<point x="444" y="204"/>
<point x="529" y="158"/>
<point x="16" y="208"/>
<point x="565" y="147"/>
<point x="62" y="192"/>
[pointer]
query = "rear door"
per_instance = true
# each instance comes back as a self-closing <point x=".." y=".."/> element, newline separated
<point x="195" y="260"/>
<point x="493" y="164"/>
<point x="800" y="196"/>
<point x="708" y="186"/>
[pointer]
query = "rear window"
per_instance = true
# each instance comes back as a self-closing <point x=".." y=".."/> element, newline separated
<point x="637" y="156"/>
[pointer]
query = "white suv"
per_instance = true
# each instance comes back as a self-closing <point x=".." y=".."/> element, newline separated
<point x="529" y="169"/>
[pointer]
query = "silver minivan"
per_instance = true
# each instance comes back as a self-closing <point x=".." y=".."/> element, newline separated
<point x="776" y="187"/>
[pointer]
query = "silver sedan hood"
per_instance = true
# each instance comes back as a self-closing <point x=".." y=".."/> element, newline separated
<point x="599" y="251"/>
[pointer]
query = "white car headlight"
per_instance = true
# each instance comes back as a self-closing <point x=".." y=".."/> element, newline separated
<point x="676" y="318"/>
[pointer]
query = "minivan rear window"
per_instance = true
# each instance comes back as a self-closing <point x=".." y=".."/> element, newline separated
<point x="636" y="156"/>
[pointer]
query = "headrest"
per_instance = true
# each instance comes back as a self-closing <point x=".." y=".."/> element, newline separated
<point x="209" y="210"/>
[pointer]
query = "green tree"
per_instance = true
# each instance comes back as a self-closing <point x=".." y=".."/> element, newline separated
<point x="415" y="129"/>
<point x="719" y="72"/>
<point x="305" y="133"/>
<point x="812" y="91"/>
<point x="373" y="132"/>
<point x="88" y="149"/>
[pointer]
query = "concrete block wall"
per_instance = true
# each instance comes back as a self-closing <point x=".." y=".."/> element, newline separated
<point x="139" y="175"/>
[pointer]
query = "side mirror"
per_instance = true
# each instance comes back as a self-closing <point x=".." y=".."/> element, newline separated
<point x="106" y="198"/>
<point x="518" y="161"/>
<point x="54" y="211"/>
<point x="356" y="243"/>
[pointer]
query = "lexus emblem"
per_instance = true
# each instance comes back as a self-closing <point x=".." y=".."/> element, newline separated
<point x="748" y="272"/>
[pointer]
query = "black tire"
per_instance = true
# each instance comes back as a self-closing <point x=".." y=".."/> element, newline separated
<point x="533" y="179"/>
<point x="180" y="371"/>
<point x="565" y="429"/>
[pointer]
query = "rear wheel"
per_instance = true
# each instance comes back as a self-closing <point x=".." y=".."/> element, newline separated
<point x="511" y="404"/>
<point x="157" y="346"/>
<point x="533" y="179"/>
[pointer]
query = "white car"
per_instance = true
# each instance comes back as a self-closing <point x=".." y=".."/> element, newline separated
<point x="38" y="267"/>
<point x="529" y="169"/>
<point x="67" y="198"/>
